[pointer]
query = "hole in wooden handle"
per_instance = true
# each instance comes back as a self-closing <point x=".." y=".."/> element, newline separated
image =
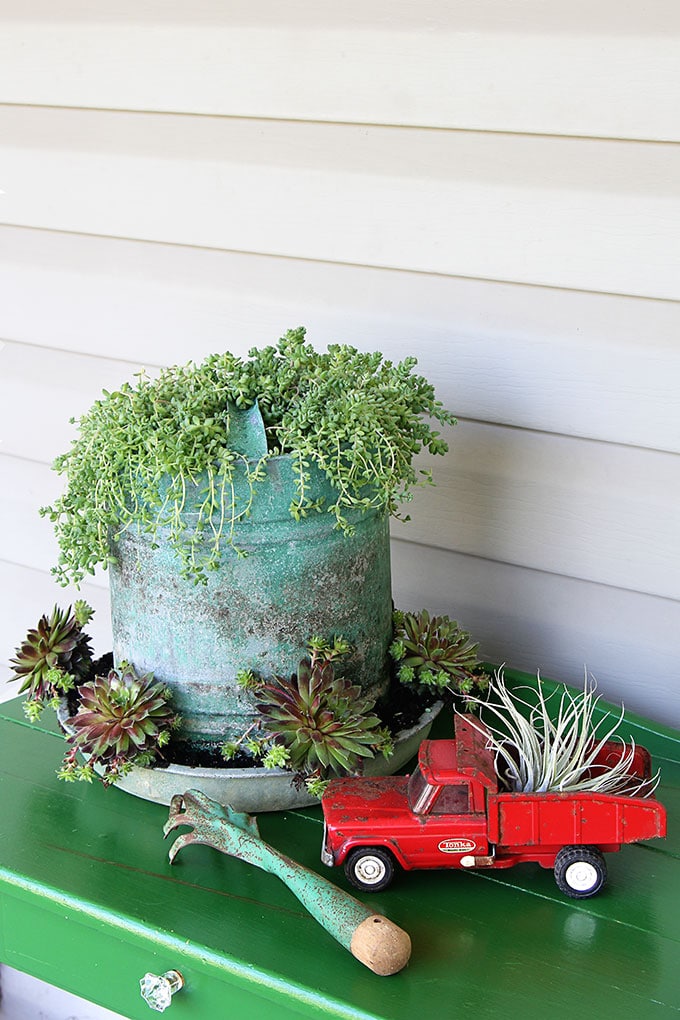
<point x="381" y="945"/>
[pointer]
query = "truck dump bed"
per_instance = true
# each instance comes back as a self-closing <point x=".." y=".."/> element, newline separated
<point x="517" y="820"/>
<point x="560" y="819"/>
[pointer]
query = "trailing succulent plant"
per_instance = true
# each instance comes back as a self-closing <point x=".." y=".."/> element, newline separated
<point x="356" y="417"/>
<point x="54" y="657"/>
<point x="123" y="720"/>
<point x="435" y="652"/>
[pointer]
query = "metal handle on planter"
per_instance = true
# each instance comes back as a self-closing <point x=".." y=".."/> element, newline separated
<point x="158" y="990"/>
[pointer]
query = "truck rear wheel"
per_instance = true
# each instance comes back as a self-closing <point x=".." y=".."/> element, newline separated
<point x="580" y="871"/>
<point x="370" y="868"/>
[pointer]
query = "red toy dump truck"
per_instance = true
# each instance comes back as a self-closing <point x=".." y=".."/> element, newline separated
<point x="450" y="814"/>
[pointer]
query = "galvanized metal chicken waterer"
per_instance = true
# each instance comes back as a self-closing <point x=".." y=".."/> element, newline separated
<point x="299" y="578"/>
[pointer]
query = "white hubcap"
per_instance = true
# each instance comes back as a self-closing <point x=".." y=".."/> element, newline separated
<point x="581" y="876"/>
<point x="370" y="870"/>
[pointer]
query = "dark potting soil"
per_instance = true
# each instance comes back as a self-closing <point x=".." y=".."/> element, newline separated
<point x="205" y="756"/>
<point x="401" y="707"/>
<point x="99" y="667"/>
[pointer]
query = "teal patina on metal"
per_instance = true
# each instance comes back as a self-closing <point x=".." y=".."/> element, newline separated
<point x="299" y="578"/>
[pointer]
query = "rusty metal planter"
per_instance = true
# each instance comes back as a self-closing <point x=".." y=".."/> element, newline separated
<point x="299" y="578"/>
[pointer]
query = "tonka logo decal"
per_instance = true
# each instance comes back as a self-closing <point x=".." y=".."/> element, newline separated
<point x="456" y="846"/>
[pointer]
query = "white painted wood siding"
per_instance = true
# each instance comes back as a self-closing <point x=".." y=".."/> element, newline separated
<point x="568" y="67"/>
<point x="493" y="186"/>
<point x="577" y="213"/>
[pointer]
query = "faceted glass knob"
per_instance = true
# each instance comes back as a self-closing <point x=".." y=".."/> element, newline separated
<point x="158" y="990"/>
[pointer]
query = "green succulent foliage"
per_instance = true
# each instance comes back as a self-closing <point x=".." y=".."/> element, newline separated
<point x="435" y="652"/>
<point x="53" y="658"/>
<point x="247" y="680"/>
<point x="276" y="757"/>
<point x="325" y="650"/>
<point x="324" y="721"/>
<point x="251" y="743"/>
<point x="123" y="719"/>
<point x="316" y="786"/>
<point x="229" y="749"/>
<point x="82" y="612"/>
<point x="358" y="418"/>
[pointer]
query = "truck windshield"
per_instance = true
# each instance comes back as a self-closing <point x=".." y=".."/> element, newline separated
<point x="420" y="793"/>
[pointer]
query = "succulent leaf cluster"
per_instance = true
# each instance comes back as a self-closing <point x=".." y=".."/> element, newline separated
<point x="123" y="719"/>
<point x="324" y="721"/>
<point x="324" y="650"/>
<point x="54" y="657"/>
<point x="356" y="417"/>
<point x="253" y="743"/>
<point x="435" y="651"/>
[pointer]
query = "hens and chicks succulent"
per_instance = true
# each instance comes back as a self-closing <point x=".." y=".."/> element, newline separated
<point x="122" y="719"/>
<point x="316" y="723"/>
<point x="53" y="658"/>
<point x="436" y="652"/>
<point x="323" y="721"/>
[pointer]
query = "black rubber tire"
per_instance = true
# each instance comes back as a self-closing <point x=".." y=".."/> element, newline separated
<point x="580" y="871"/>
<point x="370" y="868"/>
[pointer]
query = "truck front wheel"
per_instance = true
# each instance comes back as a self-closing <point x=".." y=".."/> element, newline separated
<point x="370" y="868"/>
<point x="580" y="871"/>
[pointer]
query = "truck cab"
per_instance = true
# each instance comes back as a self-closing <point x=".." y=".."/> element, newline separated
<point x="434" y="818"/>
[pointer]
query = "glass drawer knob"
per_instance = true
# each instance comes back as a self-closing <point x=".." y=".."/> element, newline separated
<point x="158" y="990"/>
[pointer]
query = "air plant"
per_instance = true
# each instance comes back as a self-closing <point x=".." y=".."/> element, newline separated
<point x="123" y="720"/>
<point x="435" y="652"/>
<point x="54" y="657"/>
<point x="324" y="721"/>
<point x="540" y="750"/>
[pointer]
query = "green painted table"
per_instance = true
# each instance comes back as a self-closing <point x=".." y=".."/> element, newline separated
<point x="89" y="902"/>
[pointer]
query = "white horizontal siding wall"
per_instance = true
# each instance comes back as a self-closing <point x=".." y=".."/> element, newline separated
<point x="493" y="186"/>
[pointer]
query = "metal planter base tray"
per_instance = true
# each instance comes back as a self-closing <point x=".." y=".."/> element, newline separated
<point x="257" y="789"/>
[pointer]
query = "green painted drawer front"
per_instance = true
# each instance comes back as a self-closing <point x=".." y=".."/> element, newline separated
<point x="96" y="960"/>
<point x="89" y="902"/>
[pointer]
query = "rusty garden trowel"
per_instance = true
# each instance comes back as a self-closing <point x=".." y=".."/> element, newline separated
<point x="371" y="938"/>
